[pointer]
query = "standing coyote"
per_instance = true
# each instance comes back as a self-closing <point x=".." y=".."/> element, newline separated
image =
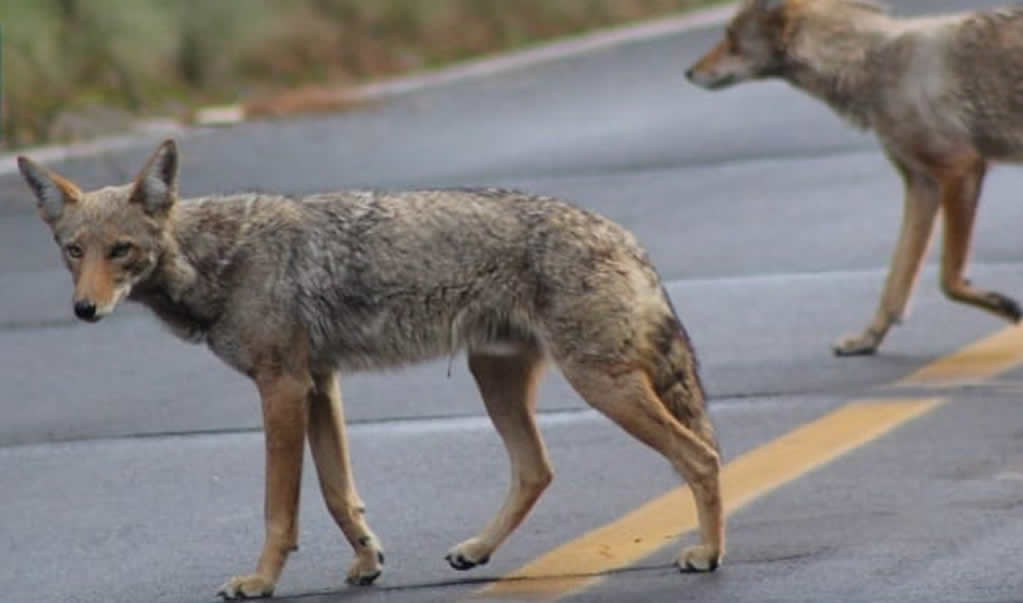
<point x="942" y="93"/>
<point x="289" y="291"/>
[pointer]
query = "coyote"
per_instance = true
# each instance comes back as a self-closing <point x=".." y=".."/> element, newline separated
<point x="941" y="93"/>
<point x="289" y="291"/>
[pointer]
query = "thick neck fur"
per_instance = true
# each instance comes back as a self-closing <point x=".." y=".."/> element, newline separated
<point x="182" y="289"/>
<point x="829" y="46"/>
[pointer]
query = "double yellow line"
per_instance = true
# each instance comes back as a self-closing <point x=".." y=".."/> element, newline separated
<point x="581" y="563"/>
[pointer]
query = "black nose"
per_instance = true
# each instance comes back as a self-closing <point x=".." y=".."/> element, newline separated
<point x="85" y="310"/>
<point x="689" y="73"/>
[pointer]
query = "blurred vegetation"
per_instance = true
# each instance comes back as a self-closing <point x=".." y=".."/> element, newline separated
<point x="151" y="57"/>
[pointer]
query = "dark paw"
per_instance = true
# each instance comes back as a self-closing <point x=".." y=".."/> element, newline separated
<point x="843" y="353"/>
<point x="692" y="569"/>
<point x="460" y="563"/>
<point x="1007" y="307"/>
<point x="364" y="579"/>
<point x="845" y="350"/>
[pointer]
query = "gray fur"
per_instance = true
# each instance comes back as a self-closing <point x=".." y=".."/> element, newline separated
<point x="941" y="92"/>
<point x="156" y="187"/>
<point x="378" y="280"/>
<point x="368" y="279"/>
<point x="952" y="75"/>
<point x="50" y="199"/>
<point x="288" y="290"/>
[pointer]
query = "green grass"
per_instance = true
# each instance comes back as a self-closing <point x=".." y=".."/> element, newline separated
<point x="154" y="57"/>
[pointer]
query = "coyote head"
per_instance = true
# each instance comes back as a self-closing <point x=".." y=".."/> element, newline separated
<point x="111" y="238"/>
<point x="751" y="49"/>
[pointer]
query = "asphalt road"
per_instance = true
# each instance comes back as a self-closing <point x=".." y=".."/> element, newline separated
<point x="131" y="464"/>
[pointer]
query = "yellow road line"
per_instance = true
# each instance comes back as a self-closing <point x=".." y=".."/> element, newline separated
<point x="984" y="359"/>
<point x="574" y="566"/>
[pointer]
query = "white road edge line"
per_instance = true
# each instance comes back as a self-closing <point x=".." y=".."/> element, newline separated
<point x="579" y="45"/>
<point x="483" y="67"/>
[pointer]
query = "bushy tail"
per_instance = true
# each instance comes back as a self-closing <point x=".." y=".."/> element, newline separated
<point x="676" y="377"/>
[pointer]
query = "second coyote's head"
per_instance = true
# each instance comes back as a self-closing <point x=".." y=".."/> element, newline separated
<point x="111" y="238"/>
<point x="751" y="49"/>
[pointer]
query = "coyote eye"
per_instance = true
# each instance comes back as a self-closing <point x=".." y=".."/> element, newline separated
<point x="73" y="251"/>
<point x="119" y="250"/>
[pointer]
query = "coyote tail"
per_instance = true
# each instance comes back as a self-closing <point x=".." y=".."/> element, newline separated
<point x="676" y="377"/>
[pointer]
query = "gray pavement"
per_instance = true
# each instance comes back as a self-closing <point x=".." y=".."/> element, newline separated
<point x="131" y="463"/>
<point x="929" y="513"/>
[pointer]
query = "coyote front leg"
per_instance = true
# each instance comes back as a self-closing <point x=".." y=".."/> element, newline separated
<point x="284" y="424"/>
<point x="329" y="446"/>
<point x="959" y="202"/>
<point x="508" y="385"/>
<point x="922" y="199"/>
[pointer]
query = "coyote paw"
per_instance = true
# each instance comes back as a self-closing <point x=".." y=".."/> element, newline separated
<point x="857" y="345"/>
<point x="366" y="569"/>
<point x="699" y="558"/>
<point x="1006" y="307"/>
<point x="247" y="587"/>
<point x="468" y="555"/>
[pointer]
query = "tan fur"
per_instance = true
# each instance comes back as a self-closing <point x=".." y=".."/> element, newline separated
<point x="70" y="191"/>
<point x="94" y="277"/>
<point x="629" y="400"/>
<point x="508" y="386"/>
<point x="290" y="292"/>
<point x="329" y="446"/>
<point x="927" y="87"/>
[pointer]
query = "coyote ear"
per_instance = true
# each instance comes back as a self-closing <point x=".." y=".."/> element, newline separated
<point x="156" y="186"/>
<point x="52" y="190"/>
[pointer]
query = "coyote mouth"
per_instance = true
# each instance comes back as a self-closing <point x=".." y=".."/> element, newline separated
<point x="722" y="82"/>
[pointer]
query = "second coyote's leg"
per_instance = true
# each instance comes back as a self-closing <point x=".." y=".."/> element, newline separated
<point x="919" y="210"/>
<point x="508" y="385"/>
<point x="960" y="197"/>
<point x="329" y="446"/>
<point x="630" y="401"/>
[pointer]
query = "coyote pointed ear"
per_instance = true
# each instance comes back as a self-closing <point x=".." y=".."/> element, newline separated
<point x="52" y="190"/>
<point x="156" y="186"/>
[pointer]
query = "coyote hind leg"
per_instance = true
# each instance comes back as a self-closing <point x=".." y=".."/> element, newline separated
<point x="630" y="401"/>
<point x="508" y="385"/>
<point x="959" y="200"/>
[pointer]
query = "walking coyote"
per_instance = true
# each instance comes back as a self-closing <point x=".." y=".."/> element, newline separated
<point x="941" y="92"/>
<point x="290" y="291"/>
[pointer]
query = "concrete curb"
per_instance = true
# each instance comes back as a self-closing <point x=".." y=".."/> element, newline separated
<point x="227" y="115"/>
